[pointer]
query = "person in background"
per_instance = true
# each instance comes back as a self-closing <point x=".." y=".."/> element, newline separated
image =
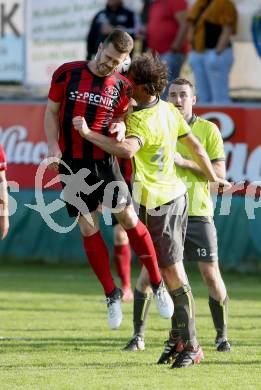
<point x="211" y="26"/>
<point x="201" y="236"/>
<point x="166" y="32"/>
<point x="4" y="216"/>
<point x="114" y="15"/>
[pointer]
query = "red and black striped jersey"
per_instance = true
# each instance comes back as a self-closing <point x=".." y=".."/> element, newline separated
<point x="2" y="159"/>
<point x="98" y="99"/>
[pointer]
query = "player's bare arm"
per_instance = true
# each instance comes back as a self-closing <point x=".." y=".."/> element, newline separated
<point x="51" y="128"/>
<point x="188" y="164"/>
<point x="218" y="166"/>
<point x="201" y="157"/>
<point x="4" y="215"/>
<point x="124" y="149"/>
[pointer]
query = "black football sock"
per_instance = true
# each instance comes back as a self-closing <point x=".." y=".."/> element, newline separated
<point x="141" y="307"/>
<point x="219" y="312"/>
<point x="184" y="322"/>
<point x="175" y="332"/>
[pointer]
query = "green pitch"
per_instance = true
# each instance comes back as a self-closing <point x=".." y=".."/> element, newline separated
<point x="54" y="335"/>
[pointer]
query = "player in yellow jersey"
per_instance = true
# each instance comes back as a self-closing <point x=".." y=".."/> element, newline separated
<point x="201" y="238"/>
<point x="152" y="133"/>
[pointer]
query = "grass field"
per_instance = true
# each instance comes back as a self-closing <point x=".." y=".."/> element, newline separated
<point x="54" y="335"/>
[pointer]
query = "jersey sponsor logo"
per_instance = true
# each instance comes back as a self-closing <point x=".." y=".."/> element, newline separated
<point x="107" y="101"/>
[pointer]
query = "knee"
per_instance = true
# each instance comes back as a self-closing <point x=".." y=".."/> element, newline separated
<point x="127" y="218"/>
<point x="143" y="283"/>
<point x="120" y="236"/>
<point x="88" y="227"/>
<point x="174" y="276"/>
<point x="210" y="276"/>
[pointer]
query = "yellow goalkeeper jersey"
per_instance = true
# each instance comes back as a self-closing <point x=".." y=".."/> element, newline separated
<point x="157" y="128"/>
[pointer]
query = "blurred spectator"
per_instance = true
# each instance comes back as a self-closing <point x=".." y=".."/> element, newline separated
<point x="166" y="32"/>
<point x="141" y="35"/>
<point x="4" y="215"/>
<point x="212" y="23"/>
<point x="114" y="15"/>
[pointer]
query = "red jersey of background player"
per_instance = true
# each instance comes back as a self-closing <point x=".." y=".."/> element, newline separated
<point x="3" y="164"/>
<point x="98" y="99"/>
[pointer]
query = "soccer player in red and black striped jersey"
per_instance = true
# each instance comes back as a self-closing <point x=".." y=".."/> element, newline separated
<point x="4" y="216"/>
<point x="96" y="91"/>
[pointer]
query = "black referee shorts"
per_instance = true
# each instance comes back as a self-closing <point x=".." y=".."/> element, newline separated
<point x="88" y="184"/>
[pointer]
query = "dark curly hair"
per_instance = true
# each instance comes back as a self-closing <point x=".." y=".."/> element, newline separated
<point x="150" y="72"/>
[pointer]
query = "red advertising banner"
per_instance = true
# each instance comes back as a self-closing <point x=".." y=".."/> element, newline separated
<point x="22" y="136"/>
<point x="23" y="139"/>
<point x="240" y="129"/>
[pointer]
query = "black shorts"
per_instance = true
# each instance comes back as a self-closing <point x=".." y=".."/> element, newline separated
<point x="88" y="184"/>
<point x="168" y="229"/>
<point x="201" y="240"/>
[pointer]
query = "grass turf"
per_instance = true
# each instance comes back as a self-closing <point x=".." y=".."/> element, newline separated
<point x="54" y="335"/>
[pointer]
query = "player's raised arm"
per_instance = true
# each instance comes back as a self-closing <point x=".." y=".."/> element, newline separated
<point x="125" y="149"/>
<point x="200" y="155"/>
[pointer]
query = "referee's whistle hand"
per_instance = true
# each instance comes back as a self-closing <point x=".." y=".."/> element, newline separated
<point x="80" y="125"/>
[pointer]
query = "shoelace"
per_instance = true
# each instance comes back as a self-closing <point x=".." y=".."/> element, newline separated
<point x="109" y="301"/>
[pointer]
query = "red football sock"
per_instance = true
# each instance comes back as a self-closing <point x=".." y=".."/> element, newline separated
<point x="122" y="260"/>
<point x="98" y="257"/>
<point x="142" y="244"/>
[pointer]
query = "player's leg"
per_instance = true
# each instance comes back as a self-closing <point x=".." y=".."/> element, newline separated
<point x="79" y="197"/>
<point x="117" y="198"/>
<point x="142" y="244"/>
<point x="98" y="257"/>
<point x="168" y="233"/>
<point x="122" y="260"/>
<point x="218" y="302"/>
<point x="141" y="305"/>
<point x="201" y="246"/>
